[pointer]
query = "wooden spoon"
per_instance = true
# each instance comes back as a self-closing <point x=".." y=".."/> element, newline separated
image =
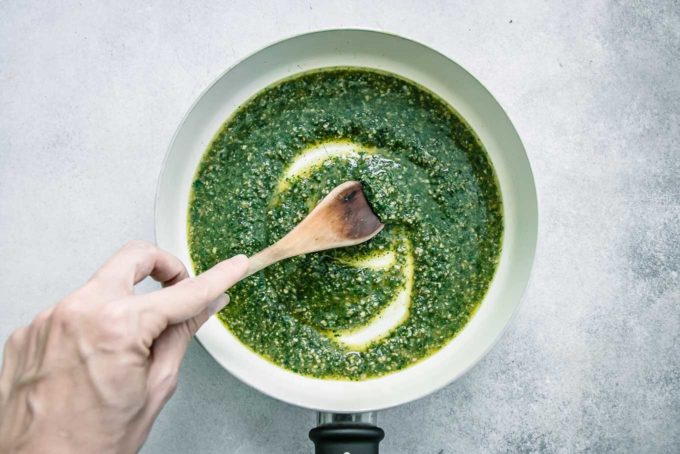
<point x="343" y="218"/>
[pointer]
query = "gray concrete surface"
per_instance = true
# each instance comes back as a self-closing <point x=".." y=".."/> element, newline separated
<point x="91" y="92"/>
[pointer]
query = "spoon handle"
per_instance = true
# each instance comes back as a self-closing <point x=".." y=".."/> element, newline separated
<point x="265" y="258"/>
<point x="342" y="218"/>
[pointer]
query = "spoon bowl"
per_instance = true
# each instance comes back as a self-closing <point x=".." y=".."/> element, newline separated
<point x="343" y="218"/>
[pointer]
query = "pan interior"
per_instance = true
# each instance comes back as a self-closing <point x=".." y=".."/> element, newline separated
<point x="374" y="308"/>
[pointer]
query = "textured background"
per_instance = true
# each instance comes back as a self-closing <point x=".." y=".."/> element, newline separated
<point x="90" y="95"/>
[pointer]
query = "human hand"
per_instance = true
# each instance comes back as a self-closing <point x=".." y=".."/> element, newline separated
<point x="91" y="373"/>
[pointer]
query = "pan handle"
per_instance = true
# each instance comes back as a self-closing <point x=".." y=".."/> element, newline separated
<point x="354" y="433"/>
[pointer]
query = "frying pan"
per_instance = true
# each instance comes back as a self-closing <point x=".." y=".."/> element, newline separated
<point x="347" y="408"/>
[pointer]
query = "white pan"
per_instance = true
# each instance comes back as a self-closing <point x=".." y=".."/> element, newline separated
<point x="467" y="96"/>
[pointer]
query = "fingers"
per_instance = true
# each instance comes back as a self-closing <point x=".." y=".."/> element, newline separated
<point x="166" y="358"/>
<point x="134" y="262"/>
<point x="14" y="352"/>
<point x="191" y="297"/>
<point x="169" y="348"/>
<point x="38" y="332"/>
<point x="168" y="352"/>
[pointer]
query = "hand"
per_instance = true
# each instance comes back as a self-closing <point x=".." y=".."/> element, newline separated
<point x="91" y="373"/>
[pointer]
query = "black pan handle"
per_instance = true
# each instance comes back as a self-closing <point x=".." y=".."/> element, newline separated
<point x="346" y="434"/>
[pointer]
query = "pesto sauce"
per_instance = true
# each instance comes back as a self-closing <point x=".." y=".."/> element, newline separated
<point x="427" y="178"/>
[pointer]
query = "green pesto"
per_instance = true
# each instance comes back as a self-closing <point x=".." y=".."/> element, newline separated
<point x="429" y="180"/>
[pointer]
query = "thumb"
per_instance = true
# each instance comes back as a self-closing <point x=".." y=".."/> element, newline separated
<point x="191" y="297"/>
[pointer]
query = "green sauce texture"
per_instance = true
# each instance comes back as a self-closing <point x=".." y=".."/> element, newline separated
<point x="366" y="310"/>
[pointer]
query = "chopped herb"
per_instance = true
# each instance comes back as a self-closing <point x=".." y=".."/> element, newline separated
<point x="424" y="172"/>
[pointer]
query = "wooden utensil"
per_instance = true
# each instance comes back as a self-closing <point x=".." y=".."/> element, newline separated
<point x="343" y="218"/>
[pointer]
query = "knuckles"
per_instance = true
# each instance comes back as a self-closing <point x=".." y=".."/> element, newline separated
<point x="42" y="318"/>
<point x="18" y="337"/>
<point x="68" y="314"/>
<point x="111" y="322"/>
<point x="138" y="244"/>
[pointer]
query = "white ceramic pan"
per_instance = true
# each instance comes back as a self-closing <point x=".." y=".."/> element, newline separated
<point x="346" y="400"/>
